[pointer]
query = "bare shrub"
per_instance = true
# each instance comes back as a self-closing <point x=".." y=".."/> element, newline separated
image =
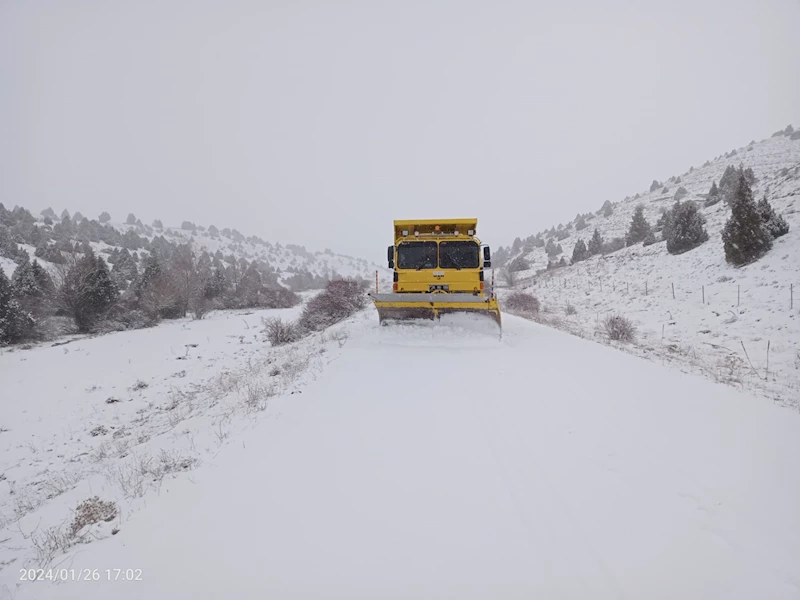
<point x="281" y="332"/>
<point x="339" y="300"/>
<point x="50" y="542"/>
<point x="570" y="310"/>
<point x="522" y="302"/>
<point x="91" y="511"/>
<point x="619" y="329"/>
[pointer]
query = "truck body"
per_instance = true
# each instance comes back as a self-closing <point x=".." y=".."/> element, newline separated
<point x="438" y="267"/>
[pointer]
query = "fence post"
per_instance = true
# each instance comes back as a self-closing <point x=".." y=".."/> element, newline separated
<point x="791" y="296"/>
<point x="704" y="295"/>
<point x="376" y="282"/>
<point x="673" y="291"/>
<point x="645" y="288"/>
<point x="767" y="374"/>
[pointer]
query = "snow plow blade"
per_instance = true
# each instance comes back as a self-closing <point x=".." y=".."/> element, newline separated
<point x="408" y="306"/>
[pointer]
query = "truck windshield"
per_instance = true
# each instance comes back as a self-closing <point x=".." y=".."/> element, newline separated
<point x="458" y="255"/>
<point x="416" y="255"/>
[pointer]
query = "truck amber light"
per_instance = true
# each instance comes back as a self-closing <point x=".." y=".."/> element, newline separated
<point x="481" y="286"/>
<point x="394" y="287"/>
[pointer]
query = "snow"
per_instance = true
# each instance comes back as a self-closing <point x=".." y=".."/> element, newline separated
<point x="718" y="311"/>
<point x="426" y="462"/>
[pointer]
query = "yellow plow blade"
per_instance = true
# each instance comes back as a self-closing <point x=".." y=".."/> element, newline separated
<point x="401" y="307"/>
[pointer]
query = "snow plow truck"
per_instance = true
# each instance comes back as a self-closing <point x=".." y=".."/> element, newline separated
<point x="438" y="268"/>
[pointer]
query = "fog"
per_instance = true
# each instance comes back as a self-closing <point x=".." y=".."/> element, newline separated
<point x="317" y="123"/>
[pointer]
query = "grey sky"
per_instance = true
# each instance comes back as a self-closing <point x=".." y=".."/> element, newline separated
<point x="309" y="122"/>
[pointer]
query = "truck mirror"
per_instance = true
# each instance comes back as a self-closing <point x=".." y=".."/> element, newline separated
<point x="391" y="264"/>
<point x="487" y="254"/>
<point x="487" y="264"/>
<point x="390" y="254"/>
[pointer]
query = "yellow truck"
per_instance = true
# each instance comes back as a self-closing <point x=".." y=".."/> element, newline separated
<point x="438" y="268"/>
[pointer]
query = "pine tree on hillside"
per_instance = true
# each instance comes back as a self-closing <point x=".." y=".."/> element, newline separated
<point x="744" y="237"/>
<point x="101" y="292"/>
<point x="124" y="266"/>
<point x="775" y="223"/>
<point x="580" y="223"/>
<point x="595" y="244"/>
<point x="684" y="228"/>
<point x="104" y="217"/>
<point x="579" y="252"/>
<point x="15" y="323"/>
<point x="714" y="195"/>
<point x="654" y="186"/>
<point x="639" y="228"/>
<point x="23" y="281"/>
<point x="131" y="220"/>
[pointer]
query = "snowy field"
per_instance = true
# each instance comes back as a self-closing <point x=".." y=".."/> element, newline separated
<point x="418" y="461"/>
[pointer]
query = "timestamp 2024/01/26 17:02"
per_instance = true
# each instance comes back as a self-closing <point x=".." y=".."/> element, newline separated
<point x="80" y="574"/>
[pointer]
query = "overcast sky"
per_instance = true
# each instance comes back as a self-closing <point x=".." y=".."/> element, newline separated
<point x="318" y="122"/>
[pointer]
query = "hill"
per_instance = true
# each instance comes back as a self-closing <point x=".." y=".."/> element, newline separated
<point x="737" y="324"/>
<point x="99" y="275"/>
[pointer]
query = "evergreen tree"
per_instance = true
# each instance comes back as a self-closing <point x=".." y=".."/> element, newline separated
<point x="15" y="323"/>
<point x="639" y="227"/>
<point x="745" y="237"/>
<point x="101" y="291"/>
<point x="552" y="249"/>
<point x="654" y="186"/>
<point x="680" y="193"/>
<point x="64" y="214"/>
<point x="607" y="209"/>
<point x="157" y="224"/>
<point x="124" y="267"/>
<point x="727" y="183"/>
<point x="23" y="281"/>
<point x="104" y="217"/>
<point x="580" y="223"/>
<point x="684" y="228"/>
<point x="714" y="195"/>
<point x="775" y="223"/>
<point x="579" y="252"/>
<point x="595" y="244"/>
<point x="131" y="220"/>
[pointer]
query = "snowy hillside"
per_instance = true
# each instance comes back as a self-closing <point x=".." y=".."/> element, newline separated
<point x="296" y="267"/>
<point x="693" y="307"/>
<point x="596" y="475"/>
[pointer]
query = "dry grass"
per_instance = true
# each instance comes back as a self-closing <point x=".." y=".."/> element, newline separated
<point x="619" y="328"/>
<point x="136" y="475"/>
<point x="522" y="302"/>
<point x="91" y="511"/>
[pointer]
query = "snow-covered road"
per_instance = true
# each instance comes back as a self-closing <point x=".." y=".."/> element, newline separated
<point x="432" y="462"/>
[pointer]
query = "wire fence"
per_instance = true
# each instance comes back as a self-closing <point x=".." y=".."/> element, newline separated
<point x="718" y="293"/>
